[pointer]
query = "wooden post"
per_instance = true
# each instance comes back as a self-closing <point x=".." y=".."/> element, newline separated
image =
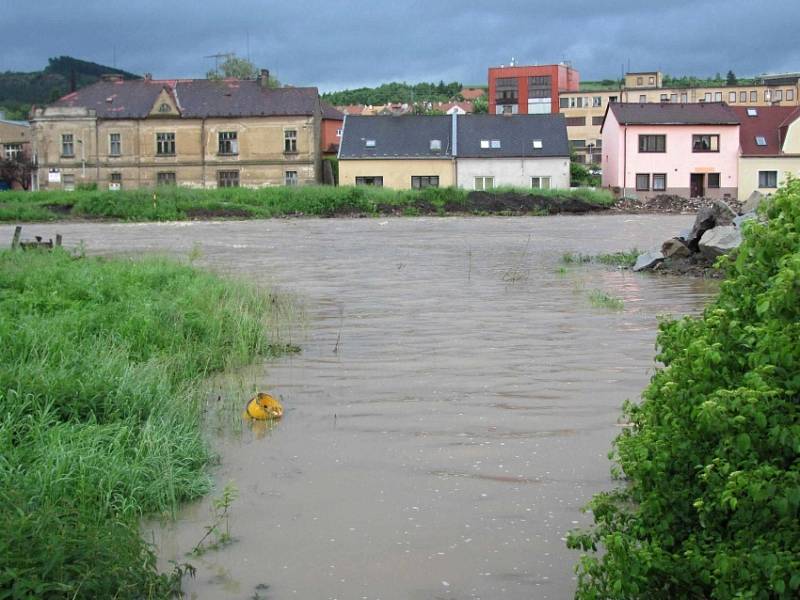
<point x="58" y="240"/>
<point x="17" y="235"/>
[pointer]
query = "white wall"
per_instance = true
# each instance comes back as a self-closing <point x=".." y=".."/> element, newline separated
<point x="512" y="171"/>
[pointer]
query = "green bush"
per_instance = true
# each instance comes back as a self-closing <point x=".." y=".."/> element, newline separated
<point x="100" y="422"/>
<point x="711" y="503"/>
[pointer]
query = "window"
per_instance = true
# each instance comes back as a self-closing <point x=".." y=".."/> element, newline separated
<point x="664" y="98"/>
<point x="290" y="178"/>
<point x="673" y="97"/>
<point x="290" y="140"/>
<point x="597" y="120"/>
<point x="495" y="144"/>
<point x="597" y="101"/>
<point x="67" y="145"/>
<point x="652" y="80"/>
<point x="752" y="112"/>
<point x="376" y="181"/>
<point x="164" y="108"/>
<point x="436" y="145"/>
<point x="114" y="144"/>
<point x="742" y="96"/>
<point x="707" y="97"/>
<point x="761" y="140"/>
<point x="754" y="96"/>
<point x="790" y="94"/>
<point x="642" y="98"/>
<point x="563" y="102"/>
<point x="612" y="98"/>
<point x="579" y="158"/>
<point x="767" y="179"/>
<point x="575" y="121"/>
<point x="537" y="144"/>
<point x="540" y="183"/>
<point x="685" y="98"/>
<point x="166" y="178"/>
<point x="777" y="95"/>
<point x="369" y="143"/>
<point x="717" y="96"/>
<point x="484" y="143"/>
<point x="12" y="151"/>
<point x="424" y="181"/>
<point x="68" y="182"/>
<point x="705" y="143"/>
<point x="228" y="142"/>
<point x="731" y="96"/>
<point x="339" y="132"/>
<point x="506" y="90"/>
<point x="713" y="180"/>
<point x="115" y="181"/>
<point x="659" y="182"/>
<point x="639" y="81"/>
<point x="577" y="143"/>
<point x="227" y="179"/>
<point x="642" y="182"/>
<point x="165" y="144"/>
<point x="766" y="96"/>
<point x="652" y="143"/>
<point x="484" y="183"/>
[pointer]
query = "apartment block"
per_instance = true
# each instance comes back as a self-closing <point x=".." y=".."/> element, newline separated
<point x="529" y="90"/>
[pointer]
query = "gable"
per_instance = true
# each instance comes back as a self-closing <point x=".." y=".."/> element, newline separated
<point x="164" y="106"/>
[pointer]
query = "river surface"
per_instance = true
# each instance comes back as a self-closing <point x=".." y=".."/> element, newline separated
<point x="451" y="410"/>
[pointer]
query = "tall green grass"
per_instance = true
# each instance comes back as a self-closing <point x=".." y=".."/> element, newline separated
<point x="100" y="370"/>
<point x="174" y="203"/>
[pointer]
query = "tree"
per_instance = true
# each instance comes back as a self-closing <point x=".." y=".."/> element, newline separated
<point x="481" y="106"/>
<point x="17" y="170"/>
<point x="731" y="78"/>
<point x="235" y="67"/>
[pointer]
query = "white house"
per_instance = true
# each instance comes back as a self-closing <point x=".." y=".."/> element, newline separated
<point x="527" y="151"/>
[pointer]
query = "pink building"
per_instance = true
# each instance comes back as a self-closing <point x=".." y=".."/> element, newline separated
<point x="690" y="150"/>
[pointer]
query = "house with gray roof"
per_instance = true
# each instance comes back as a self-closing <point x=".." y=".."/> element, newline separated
<point x="190" y="132"/>
<point x="476" y="152"/>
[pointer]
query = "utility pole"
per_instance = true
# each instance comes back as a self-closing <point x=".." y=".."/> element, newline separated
<point x="216" y="57"/>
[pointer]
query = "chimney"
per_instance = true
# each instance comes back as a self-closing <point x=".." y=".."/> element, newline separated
<point x="263" y="78"/>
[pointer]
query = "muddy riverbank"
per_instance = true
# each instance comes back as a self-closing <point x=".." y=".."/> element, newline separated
<point x="451" y="410"/>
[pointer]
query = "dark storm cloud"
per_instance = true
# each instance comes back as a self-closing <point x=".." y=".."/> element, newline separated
<point x="344" y="44"/>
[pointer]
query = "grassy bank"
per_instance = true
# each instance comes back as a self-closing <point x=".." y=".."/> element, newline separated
<point x="173" y="203"/>
<point x="100" y="366"/>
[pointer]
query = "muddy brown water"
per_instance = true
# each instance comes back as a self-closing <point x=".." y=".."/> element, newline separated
<point x="447" y="446"/>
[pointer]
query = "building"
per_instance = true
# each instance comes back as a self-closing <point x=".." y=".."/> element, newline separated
<point x="472" y="94"/>
<point x="188" y="132"/>
<point x="769" y="138"/>
<point x="531" y="89"/>
<point x="400" y="152"/>
<point x="476" y="152"/>
<point x="15" y="143"/>
<point x="529" y="151"/>
<point x="690" y="150"/>
<point x="585" y="109"/>
<point x="332" y="126"/>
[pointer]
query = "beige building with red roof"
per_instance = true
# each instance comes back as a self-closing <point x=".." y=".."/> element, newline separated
<point x="769" y="139"/>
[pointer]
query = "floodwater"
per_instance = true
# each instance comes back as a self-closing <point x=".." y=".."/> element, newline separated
<point x="451" y="410"/>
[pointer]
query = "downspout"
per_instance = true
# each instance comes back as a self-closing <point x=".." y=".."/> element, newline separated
<point x="341" y="142"/>
<point x="138" y="154"/>
<point x="97" y="151"/>
<point x="625" y="163"/>
<point x="203" y="150"/>
<point x="454" y="141"/>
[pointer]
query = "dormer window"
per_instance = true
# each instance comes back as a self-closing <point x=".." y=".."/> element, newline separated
<point x="752" y="112"/>
<point x="537" y="144"/>
<point x="164" y="108"/>
<point x="495" y="144"/>
<point x="484" y="143"/>
<point x="761" y="140"/>
<point x="369" y="143"/>
<point x="436" y="145"/>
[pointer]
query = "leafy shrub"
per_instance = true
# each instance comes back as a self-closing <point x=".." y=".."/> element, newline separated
<point x="711" y="503"/>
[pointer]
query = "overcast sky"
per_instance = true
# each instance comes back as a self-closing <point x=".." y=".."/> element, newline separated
<point x="341" y="44"/>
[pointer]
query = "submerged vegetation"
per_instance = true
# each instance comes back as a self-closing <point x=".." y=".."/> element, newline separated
<point x="174" y="203"/>
<point x="625" y="259"/>
<point x="100" y="365"/>
<point x="710" y="506"/>
<point x="603" y="299"/>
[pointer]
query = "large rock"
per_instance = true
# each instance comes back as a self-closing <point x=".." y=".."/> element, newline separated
<point x="648" y="260"/>
<point x="737" y="222"/>
<point x="752" y="202"/>
<point x="675" y="248"/>
<point x="716" y="215"/>
<point x="720" y="240"/>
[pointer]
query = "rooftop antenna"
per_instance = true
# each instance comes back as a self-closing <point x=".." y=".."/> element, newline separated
<point x="247" y="31"/>
<point x="513" y="62"/>
<point x="216" y="57"/>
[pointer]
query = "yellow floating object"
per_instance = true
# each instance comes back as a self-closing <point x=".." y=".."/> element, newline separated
<point x="264" y="407"/>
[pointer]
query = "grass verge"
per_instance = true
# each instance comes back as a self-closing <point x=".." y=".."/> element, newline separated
<point x="101" y="362"/>
<point x="174" y="203"/>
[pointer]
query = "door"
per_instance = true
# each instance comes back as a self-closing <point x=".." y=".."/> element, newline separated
<point x="696" y="185"/>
